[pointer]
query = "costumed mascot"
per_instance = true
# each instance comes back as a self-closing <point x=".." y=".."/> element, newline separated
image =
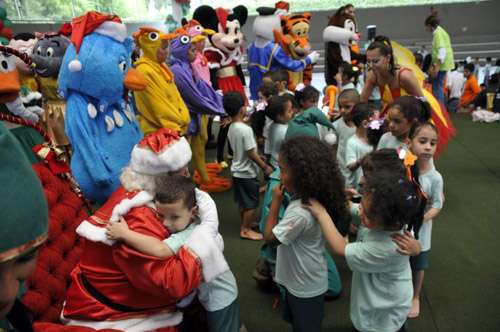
<point x="46" y="287"/>
<point x="24" y="43"/>
<point x="47" y="55"/>
<point x="265" y="55"/>
<point x="160" y="104"/>
<point x="225" y="53"/>
<point x="294" y="38"/>
<point x="201" y="100"/>
<point x="99" y="125"/>
<point x="339" y="36"/>
<point x="115" y="286"/>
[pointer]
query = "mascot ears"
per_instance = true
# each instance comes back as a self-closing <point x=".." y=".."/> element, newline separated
<point x="210" y="18"/>
<point x="207" y="17"/>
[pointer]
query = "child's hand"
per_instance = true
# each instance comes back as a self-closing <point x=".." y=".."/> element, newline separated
<point x="351" y="192"/>
<point x="117" y="230"/>
<point x="225" y="122"/>
<point x="315" y="208"/>
<point x="268" y="170"/>
<point x="407" y="244"/>
<point x="278" y="192"/>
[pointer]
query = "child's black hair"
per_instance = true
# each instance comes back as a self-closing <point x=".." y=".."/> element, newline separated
<point x="350" y="72"/>
<point x="268" y="89"/>
<point x="417" y="126"/>
<point x="432" y="21"/>
<point x="315" y="174"/>
<point x="364" y="111"/>
<point x="383" y="44"/>
<point x="171" y="188"/>
<point x="382" y="160"/>
<point x="470" y="67"/>
<point x="413" y="109"/>
<point x="309" y="93"/>
<point x="276" y="106"/>
<point x="268" y="74"/>
<point x="350" y="94"/>
<point x="292" y="99"/>
<point x="280" y="75"/>
<point x="395" y="201"/>
<point x="233" y="101"/>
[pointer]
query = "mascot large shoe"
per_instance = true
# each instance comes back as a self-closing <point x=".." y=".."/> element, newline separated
<point x="159" y="105"/>
<point x="100" y="126"/>
<point x="201" y="100"/>
<point x="47" y="57"/>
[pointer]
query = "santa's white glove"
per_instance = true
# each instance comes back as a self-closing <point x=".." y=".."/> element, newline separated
<point x="313" y="57"/>
<point x="203" y="245"/>
<point x="32" y="113"/>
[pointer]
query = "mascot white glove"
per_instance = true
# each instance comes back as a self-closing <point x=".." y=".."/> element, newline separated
<point x="313" y="56"/>
<point x="31" y="113"/>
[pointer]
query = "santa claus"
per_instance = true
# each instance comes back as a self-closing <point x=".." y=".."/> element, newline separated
<point x="117" y="287"/>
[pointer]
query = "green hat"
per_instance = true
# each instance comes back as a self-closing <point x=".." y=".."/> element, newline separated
<point x="24" y="213"/>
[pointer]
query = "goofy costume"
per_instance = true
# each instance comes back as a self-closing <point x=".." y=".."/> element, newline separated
<point x="159" y="105"/>
<point x="201" y="100"/>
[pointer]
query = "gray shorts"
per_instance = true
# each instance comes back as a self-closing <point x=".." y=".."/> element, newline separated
<point x="246" y="193"/>
<point x="420" y="262"/>
<point x="226" y="319"/>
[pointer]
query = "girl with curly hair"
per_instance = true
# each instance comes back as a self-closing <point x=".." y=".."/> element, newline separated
<point x="390" y="205"/>
<point x="308" y="171"/>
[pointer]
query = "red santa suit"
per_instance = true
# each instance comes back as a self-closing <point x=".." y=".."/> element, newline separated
<point x="115" y="286"/>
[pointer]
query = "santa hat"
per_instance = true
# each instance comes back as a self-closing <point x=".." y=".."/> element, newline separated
<point x="282" y="7"/>
<point x="108" y="25"/>
<point x="160" y="152"/>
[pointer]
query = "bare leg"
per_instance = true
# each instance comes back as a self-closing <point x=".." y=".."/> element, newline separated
<point x="246" y="232"/>
<point x="418" y="281"/>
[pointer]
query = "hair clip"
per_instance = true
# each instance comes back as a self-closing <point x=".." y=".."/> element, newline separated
<point x="407" y="157"/>
<point x="386" y="43"/>
<point x="300" y="87"/>
<point x="376" y="124"/>
<point x="411" y="197"/>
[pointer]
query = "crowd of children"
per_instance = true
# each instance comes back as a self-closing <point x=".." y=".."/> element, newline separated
<point x="376" y="183"/>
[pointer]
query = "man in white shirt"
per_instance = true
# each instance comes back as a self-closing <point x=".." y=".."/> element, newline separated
<point x="454" y="85"/>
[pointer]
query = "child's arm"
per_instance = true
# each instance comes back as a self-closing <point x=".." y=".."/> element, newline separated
<point x="143" y="243"/>
<point x="431" y="214"/>
<point x="272" y="217"/>
<point x="252" y="154"/>
<point x="320" y="117"/>
<point x="336" y="242"/>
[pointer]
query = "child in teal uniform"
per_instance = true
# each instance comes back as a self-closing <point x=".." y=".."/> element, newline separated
<point x="343" y="126"/>
<point x="305" y="122"/>
<point x="175" y="201"/>
<point x="279" y="110"/>
<point x="423" y="143"/>
<point x="308" y="170"/>
<point x="401" y="115"/>
<point x="362" y="142"/>
<point x="382" y="289"/>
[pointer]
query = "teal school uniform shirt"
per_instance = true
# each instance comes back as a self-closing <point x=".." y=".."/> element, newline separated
<point x="300" y="263"/>
<point x="304" y="124"/>
<point x="355" y="150"/>
<point x="382" y="288"/>
<point x="432" y="185"/>
<point x="389" y="141"/>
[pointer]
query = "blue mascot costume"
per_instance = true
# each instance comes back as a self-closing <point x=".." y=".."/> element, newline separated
<point x="100" y="126"/>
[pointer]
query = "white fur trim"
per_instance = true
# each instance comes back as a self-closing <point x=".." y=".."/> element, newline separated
<point x="93" y="233"/>
<point x="118" y="118"/>
<point x="115" y="30"/>
<point x="139" y="324"/>
<point x="110" y="124"/>
<point x="75" y="65"/>
<point x="127" y="204"/>
<point x="32" y="95"/>
<point x="226" y="59"/>
<point x="202" y="243"/>
<point x="92" y="111"/>
<point x="330" y="138"/>
<point x="173" y="158"/>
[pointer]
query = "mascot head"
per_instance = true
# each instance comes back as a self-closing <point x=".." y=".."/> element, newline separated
<point x="48" y="53"/>
<point x="295" y="35"/>
<point x="266" y="23"/>
<point x="97" y="63"/>
<point x="151" y="40"/>
<point x="24" y="43"/>
<point x="226" y="23"/>
<point x="182" y="48"/>
<point x="341" y="27"/>
<point x="9" y="76"/>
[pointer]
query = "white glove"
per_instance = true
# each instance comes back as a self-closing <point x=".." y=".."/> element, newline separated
<point x="219" y="92"/>
<point x="313" y="56"/>
<point x="32" y="113"/>
<point x="207" y="212"/>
